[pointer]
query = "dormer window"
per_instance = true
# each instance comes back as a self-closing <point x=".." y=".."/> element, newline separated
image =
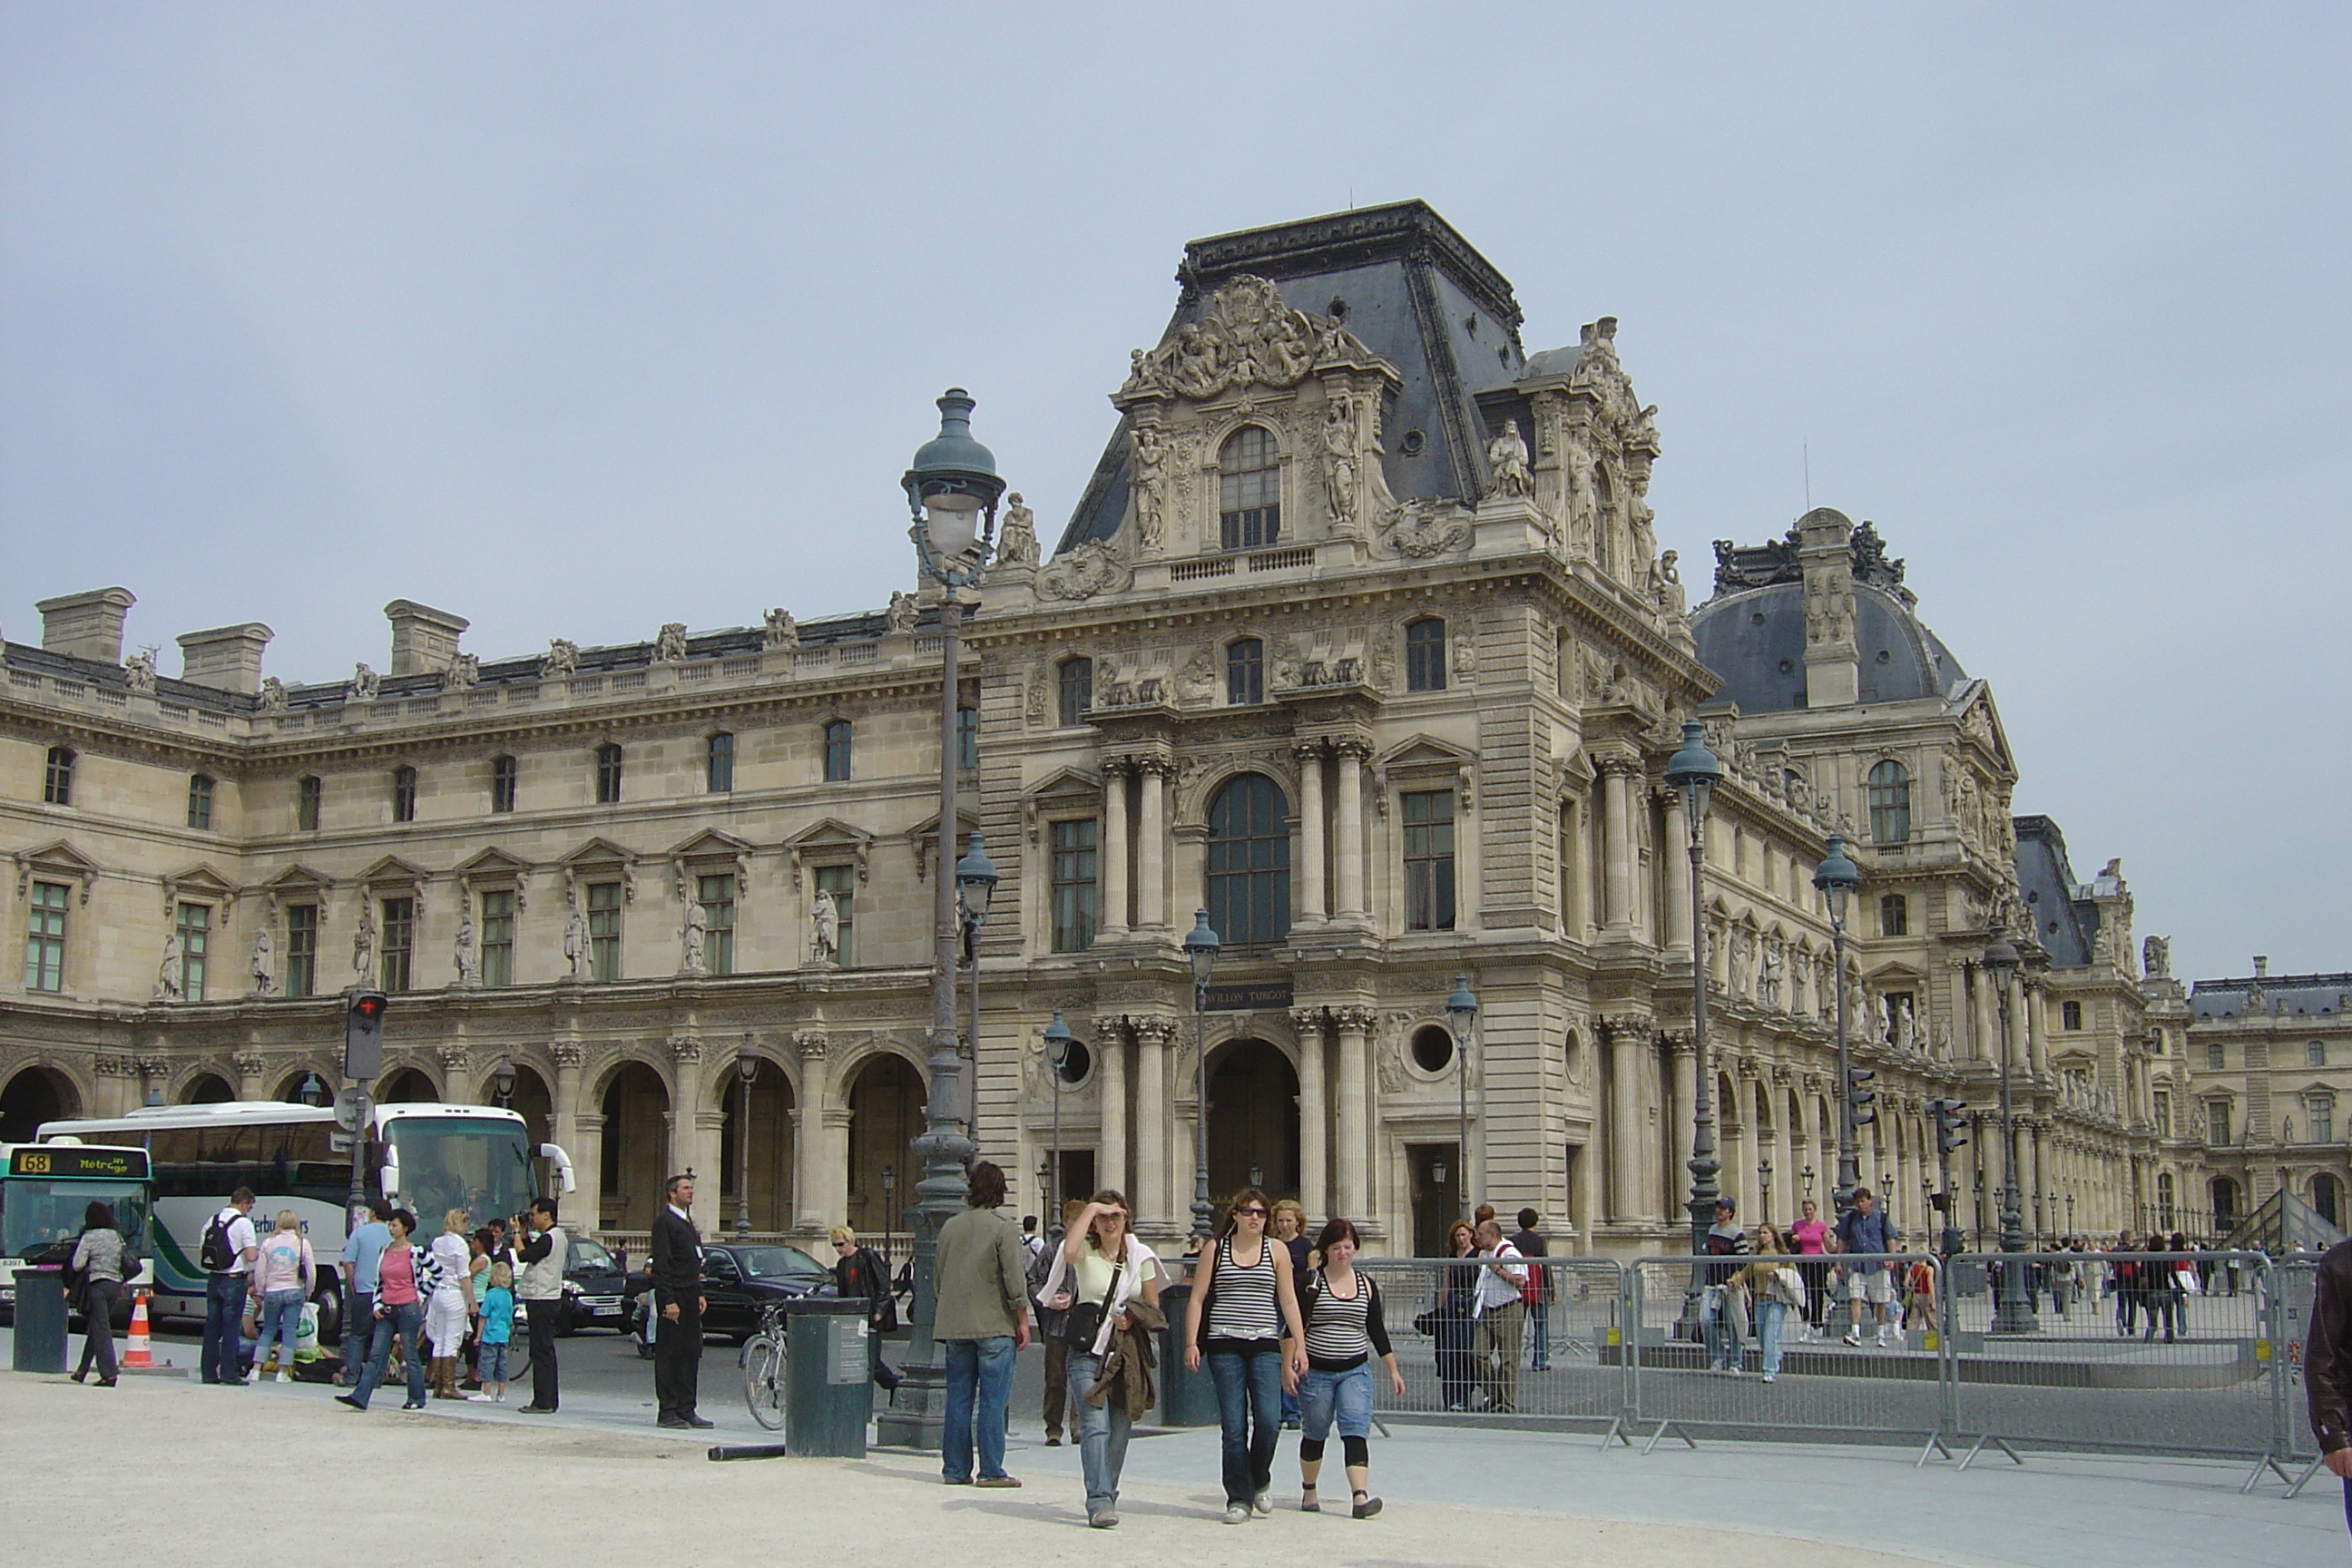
<point x="1249" y="490"/>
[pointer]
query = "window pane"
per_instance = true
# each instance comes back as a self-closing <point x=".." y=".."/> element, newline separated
<point x="718" y="770"/>
<point x="1077" y="691"/>
<point x="1249" y="490"/>
<point x="1890" y="804"/>
<point x="196" y="937"/>
<point x="502" y="783"/>
<point x="716" y="894"/>
<point x="967" y="737"/>
<point x="836" y="750"/>
<point x="44" y="938"/>
<point x="308" y="792"/>
<point x="301" y="950"/>
<point x="1246" y="672"/>
<point x="399" y="942"/>
<point x="200" y="802"/>
<point x="1075" y="887"/>
<point x="498" y="937"/>
<point x="604" y="931"/>
<point x="403" y="795"/>
<point x="1424" y="655"/>
<point x="57" y="786"/>
<point x="1249" y="861"/>
<point x="1429" y="859"/>
<point x="608" y="775"/>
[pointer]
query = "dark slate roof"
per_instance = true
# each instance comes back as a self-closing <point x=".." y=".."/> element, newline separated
<point x="2280" y="996"/>
<point x="2065" y="925"/>
<point x="96" y="672"/>
<point x="1755" y="639"/>
<point x="1413" y="289"/>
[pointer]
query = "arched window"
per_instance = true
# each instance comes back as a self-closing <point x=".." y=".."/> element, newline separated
<point x="1890" y="804"/>
<point x="1249" y="490"/>
<point x="1424" y="655"/>
<point x="719" y="763"/>
<point x="56" y="785"/>
<point x="503" y="773"/>
<point x="1075" y="678"/>
<point x="1249" y="861"/>
<point x="200" y="802"/>
<point x="836" y="750"/>
<point x="608" y="775"/>
<point x="1244" y="671"/>
<point x="403" y="795"/>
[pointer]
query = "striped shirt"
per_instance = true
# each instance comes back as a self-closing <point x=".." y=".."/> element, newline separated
<point x="1244" y="1305"/>
<point x="1336" y="1334"/>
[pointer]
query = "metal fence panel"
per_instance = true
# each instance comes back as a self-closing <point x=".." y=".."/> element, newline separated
<point x="1704" y="1365"/>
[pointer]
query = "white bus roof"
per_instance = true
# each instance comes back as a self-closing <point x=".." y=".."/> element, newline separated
<point x="248" y="1112"/>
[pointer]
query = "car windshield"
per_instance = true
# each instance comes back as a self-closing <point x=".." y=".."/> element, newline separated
<point x="583" y="1253"/>
<point x="778" y="1263"/>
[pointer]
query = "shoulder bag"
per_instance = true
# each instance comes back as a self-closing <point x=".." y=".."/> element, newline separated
<point x="1085" y="1317"/>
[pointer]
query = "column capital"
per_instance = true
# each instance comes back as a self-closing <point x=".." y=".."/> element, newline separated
<point x="1155" y="1031"/>
<point x="1625" y="1026"/>
<point x="1352" y="748"/>
<point x="1680" y="1042"/>
<point x="1304" y="1019"/>
<point x="1153" y="766"/>
<point x="1117" y="767"/>
<point x="1110" y="1029"/>
<point x="153" y="1067"/>
<point x="567" y="1053"/>
<point x="685" y="1049"/>
<point x="812" y="1043"/>
<point x="1311" y="749"/>
<point x="1622" y="763"/>
<point x="1355" y="1020"/>
<point x="253" y="1064"/>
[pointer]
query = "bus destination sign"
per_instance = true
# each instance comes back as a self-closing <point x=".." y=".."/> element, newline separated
<point x="73" y="1163"/>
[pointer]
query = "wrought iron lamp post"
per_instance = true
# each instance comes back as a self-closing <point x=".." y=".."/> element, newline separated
<point x="747" y="1068"/>
<point x="1837" y="877"/>
<point x="1461" y="1012"/>
<point x="952" y="488"/>
<point x="1695" y="771"/>
<point x="2014" y="1312"/>
<point x="975" y="888"/>
<point x="1201" y="947"/>
<point x="1058" y="1057"/>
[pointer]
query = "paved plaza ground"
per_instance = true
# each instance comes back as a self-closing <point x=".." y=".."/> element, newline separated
<point x="600" y="1483"/>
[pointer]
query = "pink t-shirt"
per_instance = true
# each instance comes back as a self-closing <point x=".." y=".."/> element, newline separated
<point x="1811" y="1237"/>
<point x="395" y="1280"/>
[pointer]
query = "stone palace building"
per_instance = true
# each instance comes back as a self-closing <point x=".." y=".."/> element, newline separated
<point x="1359" y="637"/>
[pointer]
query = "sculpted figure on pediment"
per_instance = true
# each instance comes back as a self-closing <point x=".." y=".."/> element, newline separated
<point x="900" y="617"/>
<point x="670" y="643"/>
<point x="1247" y="336"/>
<point x="778" y="630"/>
<point x="562" y="657"/>
<point x="365" y="682"/>
<point x="139" y="670"/>
<point x="273" y="695"/>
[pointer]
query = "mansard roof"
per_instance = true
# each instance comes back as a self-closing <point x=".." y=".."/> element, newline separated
<point x="2065" y="925"/>
<point x="2280" y="996"/>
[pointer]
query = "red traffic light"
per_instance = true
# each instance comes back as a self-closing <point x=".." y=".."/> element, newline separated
<point x="369" y="1006"/>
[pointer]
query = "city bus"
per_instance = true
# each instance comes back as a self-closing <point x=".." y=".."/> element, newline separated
<point x="427" y="1158"/>
<point x="44" y="1192"/>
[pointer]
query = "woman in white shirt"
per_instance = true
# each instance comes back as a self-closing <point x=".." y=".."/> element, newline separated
<point x="1099" y="1269"/>
<point x="451" y="1306"/>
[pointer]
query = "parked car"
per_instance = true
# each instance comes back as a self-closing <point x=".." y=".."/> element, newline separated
<point x="738" y="1279"/>
<point x="596" y="1290"/>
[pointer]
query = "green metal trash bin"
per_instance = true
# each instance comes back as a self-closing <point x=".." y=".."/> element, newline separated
<point x="1186" y="1398"/>
<point x="827" y="1396"/>
<point x="40" y="1320"/>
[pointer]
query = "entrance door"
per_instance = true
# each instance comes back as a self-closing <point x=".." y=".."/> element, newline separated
<point x="1436" y="1173"/>
<point x="1252" y="1122"/>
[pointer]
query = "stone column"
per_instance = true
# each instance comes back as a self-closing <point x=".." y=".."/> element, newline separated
<point x="2041" y="1173"/>
<point x="1310" y="833"/>
<point x="1151" y="846"/>
<point x="1152" y="1200"/>
<point x="2037" y="1030"/>
<point x="811" y="1194"/>
<point x="1114" y="851"/>
<point x="685" y="1104"/>
<point x="1110" y="1086"/>
<point x="1314" y="1114"/>
<point x="1677" y="851"/>
<point x="584" y="1210"/>
<point x="1352" y="832"/>
<point x="1622" y="1141"/>
<point x="1681" y="1108"/>
<point x="252" y="1084"/>
<point x="1616" y="850"/>
<point x="1988" y="1020"/>
<point x="457" y="1077"/>
<point x="1353" y="1120"/>
<point x="564" y="1112"/>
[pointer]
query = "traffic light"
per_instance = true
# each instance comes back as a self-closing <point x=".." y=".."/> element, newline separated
<point x="1859" y="1096"/>
<point x="1950" y="1134"/>
<point x="363" y="1035"/>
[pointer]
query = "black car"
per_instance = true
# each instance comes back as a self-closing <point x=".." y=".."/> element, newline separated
<point x="738" y="1279"/>
<point x="596" y="1292"/>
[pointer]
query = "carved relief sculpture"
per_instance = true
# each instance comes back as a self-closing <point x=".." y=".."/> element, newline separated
<point x="1082" y="572"/>
<point x="1770" y="984"/>
<point x="465" y="673"/>
<point x="468" y="953"/>
<point x="1339" y="458"/>
<point x="2155" y="957"/>
<point x="364" y="942"/>
<point x="1507" y="455"/>
<point x="669" y="645"/>
<point x="691" y="936"/>
<point x="1150" y="485"/>
<point x="1016" y="544"/>
<point x="259" y="966"/>
<point x="167" y="975"/>
<point x="563" y="657"/>
<point x="575" y="944"/>
<point x="1246" y="336"/>
<point x="1667" y="587"/>
<point x="1420" y="530"/>
<point x="778" y="630"/>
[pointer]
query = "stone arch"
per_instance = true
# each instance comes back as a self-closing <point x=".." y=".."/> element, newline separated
<point x="533" y="1098"/>
<point x="1191" y="806"/>
<point x="634" y="1100"/>
<point x="883" y="1090"/>
<point x="773" y="1148"/>
<point x="1253" y="1116"/>
<point x="408" y="1086"/>
<point x="33" y="1095"/>
<point x="289" y="1085"/>
<point x="206" y="1088"/>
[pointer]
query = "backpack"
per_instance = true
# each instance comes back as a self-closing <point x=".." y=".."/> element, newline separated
<point x="217" y="1255"/>
<point x="1050" y="1323"/>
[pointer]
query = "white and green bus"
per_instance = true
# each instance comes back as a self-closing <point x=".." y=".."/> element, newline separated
<point x="44" y="1193"/>
<point x="427" y="1158"/>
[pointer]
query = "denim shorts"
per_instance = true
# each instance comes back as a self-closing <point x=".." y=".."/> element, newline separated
<point x="1347" y="1396"/>
<point x="490" y="1362"/>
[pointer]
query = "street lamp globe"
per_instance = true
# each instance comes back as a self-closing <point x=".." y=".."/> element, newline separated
<point x="504" y="1081"/>
<point x="952" y="488"/>
<point x="1695" y="770"/>
<point x="1058" y="1045"/>
<point x="1837" y="877"/>
<point x="312" y="1092"/>
<point x="975" y="879"/>
<point x="1461" y="1007"/>
<point x="1202" y="947"/>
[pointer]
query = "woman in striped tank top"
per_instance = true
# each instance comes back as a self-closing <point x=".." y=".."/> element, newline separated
<point x="1345" y="1330"/>
<point x="1242" y="1312"/>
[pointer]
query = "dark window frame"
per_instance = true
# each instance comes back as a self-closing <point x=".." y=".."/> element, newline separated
<point x="1074" y="691"/>
<point x="403" y="794"/>
<point x="1248" y="864"/>
<point x="609" y="764"/>
<point x="192" y="924"/>
<point x="1076" y="881"/>
<point x="603" y="903"/>
<point x="301" y="951"/>
<point x="200" y="802"/>
<point x="396" y="928"/>
<point x="57" y="776"/>
<point x="719" y="763"/>
<point x="505" y="775"/>
<point x="497" y="924"/>
<point x="967" y="739"/>
<point x="840" y="753"/>
<point x="1893" y="914"/>
<point x="1890" y="801"/>
<point x="45" y="926"/>
<point x="1244" y="672"/>
<point x="310" y="800"/>
<point x="1249" y="490"/>
<point x="716" y="892"/>
<point x="1429" y="862"/>
<point x="1425" y="653"/>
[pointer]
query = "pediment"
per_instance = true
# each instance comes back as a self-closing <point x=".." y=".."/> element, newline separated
<point x="1060" y="783"/>
<point x="492" y="863"/>
<point x="710" y="844"/>
<point x="597" y="852"/>
<point x="1424" y="752"/>
<point x="924" y="836"/>
<point x="58" y="858"/>
<point x="299" y="878"/>
<point x="392" y="868"/>
<point x="832" y="840"/>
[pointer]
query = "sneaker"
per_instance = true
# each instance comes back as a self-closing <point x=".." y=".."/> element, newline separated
<point x="1107" y="1519"/>
<point x="285" y="1377"/>
<point x="1002" y="1483"/>
<point x="1885" y="1338"/>
<point x="1262" y="1504"/>
<point x="1771" y="1375"/>
<point x="1853" y="1338"/>
<point x="347" y="1399"/>
<point x="478" y="1399"/>
<point x="1366" y="1507"/>
<point x="1237" y="1513"/>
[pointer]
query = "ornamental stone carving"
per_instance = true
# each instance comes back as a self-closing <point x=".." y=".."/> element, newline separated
<point x="1506" y="456"/>
<point x="1246" y="337"/>
<point x="812" y="1043"/>
<point x="465" y="673"/>
<point x="685" y="1049"/>
<point x="670" y="643"/>
<point x="273" y="695"/>
<point x="139" y="672"/>
<point x="567" y="1053"/>
<point x="778" y="630"/>
<point x="1419" y="530"/>
<point x="365" y="683"/>
<point x="1016" y="542"/>
<point x="1084" y="571"/>
<point x="562" y="657"/>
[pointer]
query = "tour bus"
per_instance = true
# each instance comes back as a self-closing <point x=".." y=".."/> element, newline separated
<point x="44" y="1192"/>
<point x="427" y="1158"/>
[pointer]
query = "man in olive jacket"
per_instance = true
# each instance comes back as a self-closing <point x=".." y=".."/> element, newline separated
<point x="980" y="1284"/>
<point x="2327" y="1366"/>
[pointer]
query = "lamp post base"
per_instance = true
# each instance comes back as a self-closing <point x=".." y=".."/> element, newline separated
<point x="914" y="1417"/>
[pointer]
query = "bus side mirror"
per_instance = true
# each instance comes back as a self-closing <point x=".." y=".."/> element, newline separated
<point x="562" y="1166"/>
<point x="390" y="1177"/>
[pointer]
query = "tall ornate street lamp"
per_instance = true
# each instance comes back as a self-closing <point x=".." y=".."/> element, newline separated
<point x="1058" y="1057"/>
<point x="1461" y="1012"/>
<point x="952" y="488"/>
<point x="1694" y="772"/>
<point x="2014" y="1315"/>
<point x="1201" y="946"/>
<point x="1837" y="877"/>
<point x="975" y="888"/>
<point x="747" y="1068"/>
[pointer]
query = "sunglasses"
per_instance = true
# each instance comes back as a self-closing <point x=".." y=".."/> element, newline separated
<point x="845" y="1243"/>
<point x="1250" y="1214"/>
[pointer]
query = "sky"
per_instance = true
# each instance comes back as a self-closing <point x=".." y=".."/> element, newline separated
<point x="577" y="319"/>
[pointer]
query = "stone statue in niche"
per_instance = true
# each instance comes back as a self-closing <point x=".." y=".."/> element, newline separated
<point x="469" y="949"/>
<point x="1339" y="458"/>
<point x="1743" y="959"/>
<point x="1150" y="485"/>
<point x="265" y="979"/>
<point x="273" y="695"/>
<point x="1016" y="544"/>
<point x="1507" y="455"/>
<point x="691" y="936"/>
<point x="669" y="645"/>
<point x="139" y="671"/>
<point x="1581" y="506"/>
<point x="824" y="922"/>
<point x="365" y="682"/>
<point x="575" y="944"/>
<point x="1666" y="584"/>
<point x="1770" y="984"/>
<point x="900" y="618"/>
<point x="562" y="657"/>
<point x="364" y="942"/>
<point x="1906" y="1030"/>
<point x="2155" y="957"/>
<point x="1645" y="537"/>
<point x="167" y="974"/>
<point x="778" y="630"/>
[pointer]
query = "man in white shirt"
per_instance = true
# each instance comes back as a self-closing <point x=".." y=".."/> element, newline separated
<point x="1500" y="1313"/>
<point x="540" y="1290"/>
<point x="228" y="1264"/>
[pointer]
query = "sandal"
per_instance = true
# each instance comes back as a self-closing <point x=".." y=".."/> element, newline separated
<point x="1307" y="1501"/>
<point x="1367" y="1505"/>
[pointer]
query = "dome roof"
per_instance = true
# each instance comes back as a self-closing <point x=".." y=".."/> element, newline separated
<point x="1755" y="639"/>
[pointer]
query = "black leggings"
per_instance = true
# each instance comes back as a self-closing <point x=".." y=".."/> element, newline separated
<point x="1356" y="1452"/>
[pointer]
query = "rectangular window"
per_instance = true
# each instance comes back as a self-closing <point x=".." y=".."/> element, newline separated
<point x="44" y="938"/>
<point x="301" y="950"/>
<point x="195" y="929"/>
<point x="608" y="775"/>
<point x="1424" y="655"/>
<point x="604" y="931"/>
<point x="836" y="750"/>
<point x="1246" y="672"/>
<point x="200" y="802"/>
<point x="2217" y="1122"/>
<point x="718" y="764"/>
<point x="2322" y="1120"/>
<point x="716" y="894"/>
<point x="2070" y="1015"/>
<point x="503" y="773"/>
<point x="403" y="795"/>
<point x="498" y="937"/>
<point x="967" y="738"/>
<point x="1076" y="680"/>
<point x="399" y="942"/>
<point x="2214" y="1058"/>
<point x="841" y="881"/>
<point x="1074" y="886"/>
<point x="57" y="783"/>
<point x="1894" y="915"/>
<point x="307" y="794"/>
<point x="1429" y="859"/>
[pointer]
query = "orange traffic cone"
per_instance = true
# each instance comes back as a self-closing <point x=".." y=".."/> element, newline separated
<point x="137" y="1354"/>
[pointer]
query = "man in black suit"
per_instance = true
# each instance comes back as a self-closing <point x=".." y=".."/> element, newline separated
<point x="676" y="1273"/>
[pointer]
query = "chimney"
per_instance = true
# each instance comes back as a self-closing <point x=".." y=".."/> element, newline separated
<point x="86" y="625"/>
<point x="226" y="658"/>
<point x="2262" y="965"/>
<point x="1825" y="554"/>
<point x="423" y="639"/>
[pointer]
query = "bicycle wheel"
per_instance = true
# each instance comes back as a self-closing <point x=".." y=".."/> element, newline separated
<point x="763" y="1379"/>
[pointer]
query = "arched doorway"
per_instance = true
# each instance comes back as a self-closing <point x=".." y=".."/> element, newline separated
<point x="34" y="1096"/>
<point x="208" y="1088"/>
<point x="406" y="1087"/>
<point x="291" y="1091"/>
<point x="635" y="1149"/>
<point x="885" y="1110"/>
<point x="770" y="1151"/>
<point x="1253" y="1121"/>
<point x="529" y="1098"/>
<point x="2327" y="1197"/>
<point x="2225" y="1205"/>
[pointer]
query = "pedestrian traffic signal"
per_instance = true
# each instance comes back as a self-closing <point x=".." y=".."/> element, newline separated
<point x="363" y="1035"/>
<point x="1950" y="1132"/>
<point x="1858" y="1096"/>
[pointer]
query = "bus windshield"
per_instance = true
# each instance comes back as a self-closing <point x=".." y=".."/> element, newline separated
<point x="39" y="1214"/>
<point x="460" y="1163"/>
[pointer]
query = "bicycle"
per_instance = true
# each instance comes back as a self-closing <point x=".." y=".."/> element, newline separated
<point x="765" y="1369"/>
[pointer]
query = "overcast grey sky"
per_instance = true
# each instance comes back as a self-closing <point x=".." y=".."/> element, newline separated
<point x="578" y="319"/>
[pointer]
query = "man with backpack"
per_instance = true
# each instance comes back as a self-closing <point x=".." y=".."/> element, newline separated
<point x="1537" y="1295"/>
<point x="1864" y="1229"/>
<point x="1059" y="1401"/>
<point x="226" y="1256"/>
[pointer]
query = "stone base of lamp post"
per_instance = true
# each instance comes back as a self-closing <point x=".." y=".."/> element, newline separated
<point x="913" y="1419"/>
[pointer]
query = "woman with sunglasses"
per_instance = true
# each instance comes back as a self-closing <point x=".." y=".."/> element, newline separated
<point x="1242" y="1310"/>
<point x="1098" y="1273"/>
<point x="859" y="1273"/>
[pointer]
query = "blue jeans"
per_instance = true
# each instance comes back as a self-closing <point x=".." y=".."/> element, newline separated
<point x="490" y="1362"/>
<point x="407" y="1322"/>
<point x="1723" y="1340"/>
<point x="359" y="1332"/>
<point x="225" y="1297"/>
<point x="980" y="1387"/>
<point x="281" y="1319"/>
<point x="1539" y="1314"/>
<point x="1102" y="1433"/>
<point x="1345" y="1396"/>
<point x="1769" y="1317"/>
<point x="1249" y="1419"/>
